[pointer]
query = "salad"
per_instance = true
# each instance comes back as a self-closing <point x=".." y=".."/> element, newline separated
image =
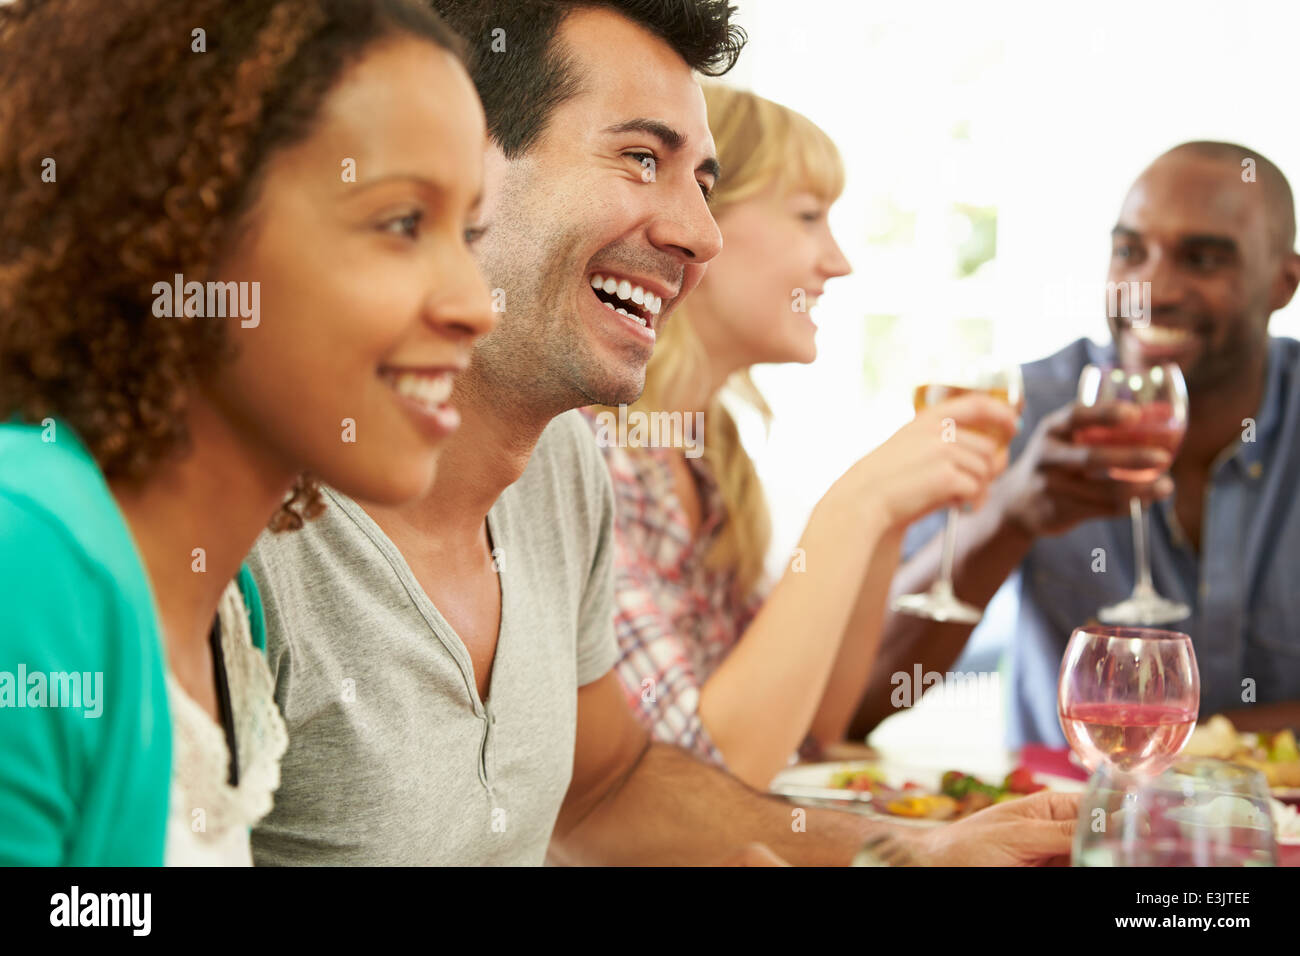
<point x="959" y="795"/>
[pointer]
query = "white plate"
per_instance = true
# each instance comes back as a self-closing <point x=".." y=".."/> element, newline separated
<point x="817" y="776"/>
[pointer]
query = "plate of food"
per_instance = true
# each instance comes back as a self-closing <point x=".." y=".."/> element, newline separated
<point x="1275" y="754"/>
<point x="907" y="795"/>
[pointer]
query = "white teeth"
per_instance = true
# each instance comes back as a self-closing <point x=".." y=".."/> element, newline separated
<point x="635" y="318"/>
<point x="431" y="391"/>
<point x="1160" y="335"/>
<point x="625" y="290"/>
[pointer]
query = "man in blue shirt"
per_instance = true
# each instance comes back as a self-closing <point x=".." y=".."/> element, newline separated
<point x="1211" y="227"/>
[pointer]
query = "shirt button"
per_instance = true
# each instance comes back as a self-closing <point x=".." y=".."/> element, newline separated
<point x="1255" y="470"/>
<point x="1204" y="590"/>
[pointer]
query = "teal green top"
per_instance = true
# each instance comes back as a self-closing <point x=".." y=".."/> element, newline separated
<point x="86" y="782"/>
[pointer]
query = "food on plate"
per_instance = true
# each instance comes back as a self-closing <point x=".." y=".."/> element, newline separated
<point x="960" y="794"/>
<point x="1275" y="755"/>
<point x="935" y="806"/>
<point x="861" y="779"/>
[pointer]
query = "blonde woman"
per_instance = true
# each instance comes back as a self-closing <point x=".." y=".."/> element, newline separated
<point x="710" y="656"/>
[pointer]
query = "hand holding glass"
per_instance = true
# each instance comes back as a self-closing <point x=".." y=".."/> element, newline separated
<point x="999" y="381"/>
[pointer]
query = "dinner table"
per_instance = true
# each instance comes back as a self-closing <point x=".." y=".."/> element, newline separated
<point x="1052" y="766"/>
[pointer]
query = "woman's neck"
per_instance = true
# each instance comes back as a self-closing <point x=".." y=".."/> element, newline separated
<point x="195" y="519"/>
<point x="696" y="393"/>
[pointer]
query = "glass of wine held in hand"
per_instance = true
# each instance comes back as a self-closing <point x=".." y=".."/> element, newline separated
<point x="1160" y="398"/>
<point x="998" y="380"/>
<point x="1128" y="697"/>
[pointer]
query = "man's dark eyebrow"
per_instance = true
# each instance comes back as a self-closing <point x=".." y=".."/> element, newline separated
<point x="1223" y="243"/>
<point x="1226" y="243"/>
<point x="669" y="137"/>
<point x="660" y="130"/>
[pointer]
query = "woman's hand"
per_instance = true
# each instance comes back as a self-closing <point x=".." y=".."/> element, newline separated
<point x="947" y="455"/>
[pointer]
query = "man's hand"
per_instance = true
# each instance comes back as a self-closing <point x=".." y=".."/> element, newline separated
<point x="1056" y="484"/>
<point x="1030" y="831"/>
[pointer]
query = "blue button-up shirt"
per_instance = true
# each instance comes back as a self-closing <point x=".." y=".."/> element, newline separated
<point x="1243" y="586"/>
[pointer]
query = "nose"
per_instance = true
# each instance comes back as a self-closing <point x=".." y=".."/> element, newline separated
<point x="1168" y="288"/>
<point x="460" y="303"/>
<point x="834" y="262"/>
<point x="683" y="225"/>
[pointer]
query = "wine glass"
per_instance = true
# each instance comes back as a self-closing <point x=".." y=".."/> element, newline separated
<point x="1199" y="812"/>
<point x="1128" y="697"/>
<point x="1161" y="397"/>
<point x="998" y="380"/>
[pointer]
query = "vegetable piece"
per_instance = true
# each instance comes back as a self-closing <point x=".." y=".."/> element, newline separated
<point x="1021" y="780"/>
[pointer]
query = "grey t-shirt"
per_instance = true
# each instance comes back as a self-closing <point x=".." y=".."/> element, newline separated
<point x="393" y="759"/>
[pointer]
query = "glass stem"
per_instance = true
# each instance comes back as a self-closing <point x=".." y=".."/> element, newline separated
<point x="944" y="584"/>
<point x="1139" y="512"/>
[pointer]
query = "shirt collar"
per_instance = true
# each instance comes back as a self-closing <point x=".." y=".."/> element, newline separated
<point x="1250" y="455"/>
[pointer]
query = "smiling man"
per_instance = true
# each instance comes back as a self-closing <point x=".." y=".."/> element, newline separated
<point x="445" y="668"/>
<point x="1211" y="227"/>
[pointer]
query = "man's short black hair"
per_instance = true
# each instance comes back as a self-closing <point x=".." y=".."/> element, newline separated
<point x="522" y="74"/>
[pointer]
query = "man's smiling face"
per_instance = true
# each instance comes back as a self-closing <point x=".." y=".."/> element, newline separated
<point x="612" y="192"/>
<point x="1200" y="235"/>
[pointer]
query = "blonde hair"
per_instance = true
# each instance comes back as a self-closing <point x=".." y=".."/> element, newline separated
<point x="760" y="144"/>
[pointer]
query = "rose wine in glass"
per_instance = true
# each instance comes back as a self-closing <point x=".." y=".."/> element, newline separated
<point x="1004" y="383"/>
<point x="1161" y="399"/>
<point x="1128" y="697"/>
<point x="1137" y="738"/>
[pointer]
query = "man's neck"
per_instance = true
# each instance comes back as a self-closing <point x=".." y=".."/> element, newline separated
<point x="1215" y="415"/>
<point x="483" y="457"/>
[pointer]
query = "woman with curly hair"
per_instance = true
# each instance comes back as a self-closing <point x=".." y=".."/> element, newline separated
<point x="234" y="252"/>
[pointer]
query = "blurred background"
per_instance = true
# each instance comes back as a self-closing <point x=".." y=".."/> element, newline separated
<point x="988" y="148"/>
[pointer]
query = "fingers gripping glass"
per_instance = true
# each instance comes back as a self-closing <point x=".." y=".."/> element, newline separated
<point x="996" y="380"/>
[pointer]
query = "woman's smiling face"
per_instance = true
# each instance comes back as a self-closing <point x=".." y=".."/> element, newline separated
<point x="370" y="297"/>
<point x="778" y="253"/>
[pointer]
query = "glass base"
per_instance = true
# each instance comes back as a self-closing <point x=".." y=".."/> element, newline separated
<point x="938" y="605"/>
<point x="1144" y="609"/>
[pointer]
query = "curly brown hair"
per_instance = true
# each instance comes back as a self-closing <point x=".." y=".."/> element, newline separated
<point x="132" y="136"/>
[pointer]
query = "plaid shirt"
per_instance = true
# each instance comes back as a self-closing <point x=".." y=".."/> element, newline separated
<point x="675" y="618"/>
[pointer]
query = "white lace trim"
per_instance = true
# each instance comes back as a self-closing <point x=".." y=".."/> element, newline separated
<point x="200" y="757"/>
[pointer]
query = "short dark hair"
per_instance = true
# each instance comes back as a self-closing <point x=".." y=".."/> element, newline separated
<point x="521" y="86"/>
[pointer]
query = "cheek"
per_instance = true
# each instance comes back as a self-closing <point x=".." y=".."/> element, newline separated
<point x="311" y="363"/>
<point x="755" y="272"/>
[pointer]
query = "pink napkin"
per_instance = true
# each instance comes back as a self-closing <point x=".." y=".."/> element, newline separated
<point x="1054" y="760"/>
